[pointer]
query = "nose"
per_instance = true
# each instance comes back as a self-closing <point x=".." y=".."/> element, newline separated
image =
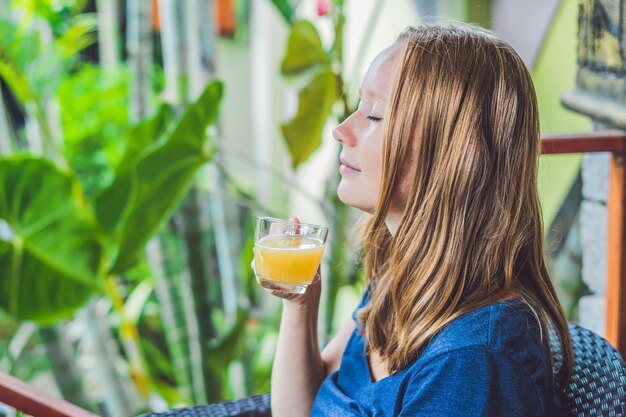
<point x="344" y="134"/>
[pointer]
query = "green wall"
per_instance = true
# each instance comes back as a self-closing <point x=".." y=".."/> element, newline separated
<point x="555" y="73"/>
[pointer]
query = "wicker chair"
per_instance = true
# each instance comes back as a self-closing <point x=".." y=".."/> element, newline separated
<point x="598" y="383"/>
<point x="257" y="406"/>
<point x="597" y="387"/>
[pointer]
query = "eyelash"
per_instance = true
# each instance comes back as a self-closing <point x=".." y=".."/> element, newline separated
<point x="374" y="118"/>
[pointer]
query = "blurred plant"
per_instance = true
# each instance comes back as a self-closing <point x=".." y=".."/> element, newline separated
<point x="59" y="244"/>
<point x="325" y="96"/>
<point x="34" y="67"/>
<point x="94" y="115"/>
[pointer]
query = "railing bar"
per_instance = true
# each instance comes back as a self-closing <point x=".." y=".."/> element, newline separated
<point x="22" y="397"/>
<point x="604" y="141"/>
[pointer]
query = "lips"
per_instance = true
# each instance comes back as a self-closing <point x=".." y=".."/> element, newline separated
<point x="348" y="166"/>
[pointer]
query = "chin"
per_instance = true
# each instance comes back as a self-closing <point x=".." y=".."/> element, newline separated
<point x="354" y="199"/>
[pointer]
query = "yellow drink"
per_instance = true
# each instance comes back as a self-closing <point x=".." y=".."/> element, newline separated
<point x="289" y="259"/>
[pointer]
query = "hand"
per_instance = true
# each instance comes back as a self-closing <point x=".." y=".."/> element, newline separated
<point x="313" y="292"/>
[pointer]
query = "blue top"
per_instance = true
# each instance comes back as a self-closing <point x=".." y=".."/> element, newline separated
<point x="489" y="362"/>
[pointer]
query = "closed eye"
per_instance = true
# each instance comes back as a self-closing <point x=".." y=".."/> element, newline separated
<point x="374" y="118"/>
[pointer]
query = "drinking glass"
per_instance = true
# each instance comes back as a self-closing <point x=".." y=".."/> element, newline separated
<point x="287" y="254"/>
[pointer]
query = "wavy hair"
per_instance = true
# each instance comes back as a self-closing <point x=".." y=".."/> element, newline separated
<point x="461" y="144"/>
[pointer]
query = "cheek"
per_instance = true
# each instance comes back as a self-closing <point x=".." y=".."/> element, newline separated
<point x="374" y="159"/>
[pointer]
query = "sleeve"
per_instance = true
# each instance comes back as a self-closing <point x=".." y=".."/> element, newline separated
<point x="471" y="382"/>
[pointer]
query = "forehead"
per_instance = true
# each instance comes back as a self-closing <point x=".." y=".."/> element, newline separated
<point x="379" y="77"/>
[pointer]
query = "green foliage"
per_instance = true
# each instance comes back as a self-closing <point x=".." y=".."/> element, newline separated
<point x="303" y="133"/>
<point x="149" y="190"/>
<point x="286" y="9"/>
<point x="304" y="49"/>
<point x="77" y="35"/>
<point x="33" y="69"/>
<point x="94" y="118"/>
<point x="49" y="251"/>
<point x="17" y="50"/>
<point x="51" y="245"/>
<point x="247" y="279"/>
<point x="305" y="55"/>
<point x="55" y="12"/>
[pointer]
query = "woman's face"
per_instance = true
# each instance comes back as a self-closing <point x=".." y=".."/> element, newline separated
<point x="361" y="135"/>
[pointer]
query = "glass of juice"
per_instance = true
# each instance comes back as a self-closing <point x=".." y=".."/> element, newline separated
<point x="287" y="254"/>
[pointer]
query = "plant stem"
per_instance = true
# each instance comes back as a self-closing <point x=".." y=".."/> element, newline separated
<point x="49" y="144"/>
<point x="129" y="335"/>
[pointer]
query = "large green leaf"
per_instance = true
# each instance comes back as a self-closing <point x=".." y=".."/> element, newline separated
<point x="113" y="204"/>
<point x="303" y="133"/>
<point x="49" y="250"/>
<point x="153" y="182"/>
<point x="304" y="49"/>
<point x="144" y="137"/>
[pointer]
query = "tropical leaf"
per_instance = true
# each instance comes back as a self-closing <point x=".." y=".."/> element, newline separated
<point x="55" y="12"/>
<point x="17" y="50"/>
<point x="50" y="253"/>
<point x="304" y="49"/>
<point x="78" y="35"/>
<point x="113" y="204"/>
<point x="144" y="136"/>
<point x="303" y="133"/>
<point x="31" y="67"/>
<point x="286" y="9"/>
<point x="16" y="82"/>
<point x="152" y="185"/>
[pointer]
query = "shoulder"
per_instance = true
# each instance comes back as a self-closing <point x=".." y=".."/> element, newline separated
<point x="503" y="327"/>
<point x="496" y="351"/>
<point x="473" y="381"/>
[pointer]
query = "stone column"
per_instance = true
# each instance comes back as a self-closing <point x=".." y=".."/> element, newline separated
<point x="600" y="94"/>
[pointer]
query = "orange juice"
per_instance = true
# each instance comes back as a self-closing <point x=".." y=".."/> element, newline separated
<point x="290" y="259"/>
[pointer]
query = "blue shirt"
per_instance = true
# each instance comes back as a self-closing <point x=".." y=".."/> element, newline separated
<point x="489" y="362"/>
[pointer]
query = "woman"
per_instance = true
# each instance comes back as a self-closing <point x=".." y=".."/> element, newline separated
<point x="442" y="155"/>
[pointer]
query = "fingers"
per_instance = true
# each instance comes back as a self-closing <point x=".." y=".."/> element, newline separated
<point x="285" y="295"/>
<point x="295" y="221"/>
